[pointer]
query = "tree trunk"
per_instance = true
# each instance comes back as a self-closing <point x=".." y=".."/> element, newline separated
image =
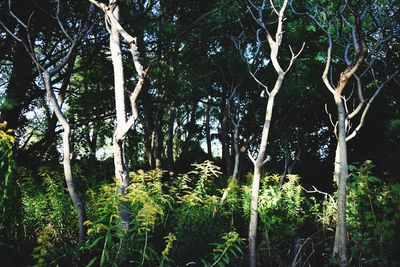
<point x="235" y="174"/>
<point x="341" y="229"/>
<point x="254" y="216"/>
<point x="170" y="142"/>
<point x="207" y="129"/>
<point x="258" y="164"/>
<point x="92" y="142"/>
<point x="224" y="139"/>
<point x="148" y="127"/>
<point x="120" y="164"/>
<point x="78" y="203"/>
<point x="236" y="148"/>
<point x="158" y="144"/>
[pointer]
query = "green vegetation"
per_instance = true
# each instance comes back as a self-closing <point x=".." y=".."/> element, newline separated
<point x="199" y="133"/>
<point x="182" y="221"/>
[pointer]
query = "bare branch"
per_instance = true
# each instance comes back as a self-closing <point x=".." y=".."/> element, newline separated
<point x="14" y="16"/>
<point x="329" y="115"/>
<point x="60" y="23"/>
<point x="364" y="114"/>
<point x="294" y="56"/>
<point x="328" y="63"/>
<point x="122" y="130"/>
<point x="352" y="68"/>
<point x="273" y="7"/>
<point x="251" y="157"/>
<point x="360" y="97"/>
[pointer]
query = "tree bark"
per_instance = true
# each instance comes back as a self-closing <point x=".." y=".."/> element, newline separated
<point x="236" y="148"/>
<point x="254" y="216"/>
<point x="258" y="164"/>
<point x="123" y="125"/>
<point x="274" y="44"/>
<point x="340" y="248"/>
<point x="235" y="174"/>
<point x="78" y="203"/>
<point x="120" y="164"/>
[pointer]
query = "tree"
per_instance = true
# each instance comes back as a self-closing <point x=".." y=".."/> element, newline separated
<point x="274" y="43"/>
<point x="122" y="127"/>
<point x="352" y="21"/>
<point x="47" y="73"/>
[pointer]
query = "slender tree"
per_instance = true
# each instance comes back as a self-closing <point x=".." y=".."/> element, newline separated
<point x="274" y="43"/>
<point x="352" y="16"/>
<point x="47" y="74"/>
<point x="112" y="12"/>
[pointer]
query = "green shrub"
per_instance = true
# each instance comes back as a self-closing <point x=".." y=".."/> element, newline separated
<point x="9" y="196"/>
<point x="373" y="218"/>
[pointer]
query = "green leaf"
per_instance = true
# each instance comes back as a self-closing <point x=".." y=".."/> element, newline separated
<point x="91" y="262"/>
<point x="373" y="179"/>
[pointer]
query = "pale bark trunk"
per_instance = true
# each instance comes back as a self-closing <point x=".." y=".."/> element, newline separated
<point x="341" y="230"/>
<point x="254" y="216"/>
<point x="120" y="164"/>
<point x="261" y="157"/>
<point x="236" y="148"/>
<point x="92" y="142"/>
<point x="78" y="203"/>
<point x="258" y="164"/>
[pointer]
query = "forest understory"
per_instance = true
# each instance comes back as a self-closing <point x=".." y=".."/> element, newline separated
<point x="200" y="133"/>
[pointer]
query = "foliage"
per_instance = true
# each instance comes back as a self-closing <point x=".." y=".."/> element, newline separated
<point x="45" y="245"/>
<point x="48" y="203"/>
<point x="281" y="213"/>
<point x="226" y="253"/>
<point x="150" y="208"/>
<point x="177" y="218"/>
<point x="48" y="216"/>
<point x="9" y="193"/>
<point x="374" y="217"/>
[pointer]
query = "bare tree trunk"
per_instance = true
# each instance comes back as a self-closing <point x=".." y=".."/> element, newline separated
<point x="148" y="124"/>
<point x="236" y="148"/>
<point x="254" y="215"/>
<point x="120" y="164"/>
<point x="78" y="203"/>
<point x="336" y="175"/>
<point x="123" y="125"/>
<point x="285" y="170"/>
<point x="258" y="164"/>
<point x="341" y="237"/>
<point x="274" y="44"/>
<point x="46" y="77"/>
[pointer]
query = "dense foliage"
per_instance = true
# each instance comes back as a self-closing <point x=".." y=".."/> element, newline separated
<point x="200" y="111"/>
